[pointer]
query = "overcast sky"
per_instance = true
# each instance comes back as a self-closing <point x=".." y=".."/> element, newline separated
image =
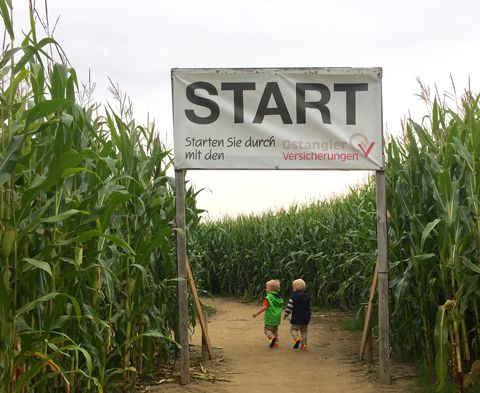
<point x="136" y="43"/>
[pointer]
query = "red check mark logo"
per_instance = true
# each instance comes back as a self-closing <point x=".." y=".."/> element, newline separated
<point x="366" y="151"/>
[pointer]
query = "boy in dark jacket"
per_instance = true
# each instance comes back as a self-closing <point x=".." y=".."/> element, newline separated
<point x="299" y="306"/>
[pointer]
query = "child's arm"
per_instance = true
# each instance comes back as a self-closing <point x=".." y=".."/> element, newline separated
<point x="256" y="314"/>
<point x="289" y="308"/>
<point x="264" y="307"/>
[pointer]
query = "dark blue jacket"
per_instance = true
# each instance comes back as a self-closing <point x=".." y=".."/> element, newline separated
<point x="299" y="306"/>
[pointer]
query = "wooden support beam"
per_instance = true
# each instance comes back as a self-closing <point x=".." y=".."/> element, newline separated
<point x="367" y="327"/>
<point x="206" y="350"/>
<point x="199" y="310"/>
<point x="368" y="343"/>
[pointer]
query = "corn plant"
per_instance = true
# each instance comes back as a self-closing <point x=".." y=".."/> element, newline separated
<point x="87" y="282"/>
<point x="434" y="191"/>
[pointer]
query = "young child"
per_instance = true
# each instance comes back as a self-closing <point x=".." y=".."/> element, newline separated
<point x="272" y="306"/>
<point x="299" y="306"/>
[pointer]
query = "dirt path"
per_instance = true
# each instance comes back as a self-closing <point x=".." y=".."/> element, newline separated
<point x="329" y="366"/>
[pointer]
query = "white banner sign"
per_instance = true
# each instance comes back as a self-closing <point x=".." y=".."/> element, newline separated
<point x="317" y="118"/>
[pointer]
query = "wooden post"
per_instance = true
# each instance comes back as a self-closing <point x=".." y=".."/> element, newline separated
<point x="182" y="275"/>
<point x="206" y="350"/>
<point x="383" y="313"/>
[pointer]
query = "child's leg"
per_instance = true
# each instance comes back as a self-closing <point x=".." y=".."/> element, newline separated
<point x="275" y="341"/>
<point x="275" y="331"/>
<point x="272" y="334"/>
<point x="270" y="331"/>
<point x="295" y="331"/>
<point x="304" y="334"/>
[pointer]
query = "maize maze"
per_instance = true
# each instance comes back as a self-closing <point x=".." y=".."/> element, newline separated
<point x="87" y="255"/>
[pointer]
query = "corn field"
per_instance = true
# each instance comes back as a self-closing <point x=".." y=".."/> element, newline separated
<point x="87" y="230"/>
<point x="237" y="255"/>
<point x="433" y="196"/>
<point x="87" y="209"/>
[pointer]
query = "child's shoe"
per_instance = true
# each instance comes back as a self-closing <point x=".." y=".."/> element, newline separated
<point x="303" y="347"/>
<point x="297" y="343"/>
<point x="272" y="343"/>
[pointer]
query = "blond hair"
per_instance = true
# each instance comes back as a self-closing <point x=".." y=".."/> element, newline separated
<point x="299" y="285"/>
<point x="274" y="285"/>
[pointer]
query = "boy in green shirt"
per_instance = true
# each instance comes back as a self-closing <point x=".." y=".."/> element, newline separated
<point x="272" y="306"/>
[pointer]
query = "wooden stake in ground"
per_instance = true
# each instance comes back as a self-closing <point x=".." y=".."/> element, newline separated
<point x="206" y="352"/>
<point x="367" y="327"/>
<point x="198" y="309"/>
<point x="368" y="343"/>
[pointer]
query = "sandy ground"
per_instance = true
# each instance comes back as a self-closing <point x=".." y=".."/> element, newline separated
<point x="245" y="364"/>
